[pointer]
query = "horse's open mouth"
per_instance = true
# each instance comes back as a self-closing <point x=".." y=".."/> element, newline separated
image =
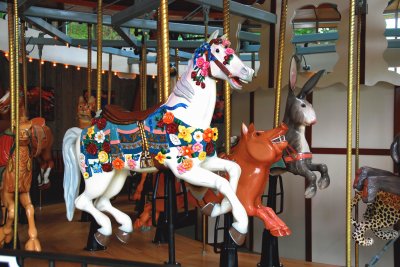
<point x="278" y="139"/>
<point x="237" y="82"/>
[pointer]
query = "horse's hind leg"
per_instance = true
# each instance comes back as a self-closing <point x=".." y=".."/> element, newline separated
<point x="324" y="180"/>
<point x="6" y="232"/>
<point x="304" y="171"/>
<point x="33" y="243"/>
<point x="103" y="204"/>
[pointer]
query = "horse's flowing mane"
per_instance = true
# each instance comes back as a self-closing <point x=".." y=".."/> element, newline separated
<point x="183" y="88"/>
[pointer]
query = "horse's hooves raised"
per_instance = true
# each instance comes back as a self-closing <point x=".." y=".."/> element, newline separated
<point x="208" y="208"/>
<point x="123" y="236"/>
<point x="103" y="240"/>
<point x="236" y="236"/>
<point x="323" y="182"/>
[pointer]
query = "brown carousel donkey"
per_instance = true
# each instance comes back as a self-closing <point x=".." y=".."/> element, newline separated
<point x="31" y="144"/>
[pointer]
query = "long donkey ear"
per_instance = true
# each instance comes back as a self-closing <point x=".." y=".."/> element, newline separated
<point x="310" y="84"/>
<point x="293" y="74"/>
<point x="213" y="36"/>
<point x="395" y="150"/>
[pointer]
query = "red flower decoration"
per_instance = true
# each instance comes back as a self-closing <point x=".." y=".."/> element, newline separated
<point x="101" y="123"/>
<point x="106" y="147"/>
<point x="160" y="124"/>
<point x="118" y="164"/>
<point x="94" y="121"/>
<point x="106" y="167"/>
<point x="91" y="149"/>
<point x="210" y="150"/>
<point x="172" y="128"/>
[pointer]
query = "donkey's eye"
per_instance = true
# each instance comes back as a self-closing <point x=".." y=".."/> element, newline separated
<point x="303" y="105"/>
<point x="217" y="50"/>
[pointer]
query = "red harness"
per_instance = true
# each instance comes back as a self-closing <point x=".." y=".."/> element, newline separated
<point x="294" y="156"/>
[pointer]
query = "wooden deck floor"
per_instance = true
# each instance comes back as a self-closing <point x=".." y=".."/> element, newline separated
<point x="58" y="235"/>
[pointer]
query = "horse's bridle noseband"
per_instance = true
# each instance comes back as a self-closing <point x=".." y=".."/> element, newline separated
<point x="217" y="62"/>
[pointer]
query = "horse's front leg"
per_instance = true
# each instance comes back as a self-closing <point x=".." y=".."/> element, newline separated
<point x="33" y="244"/>
<point x="6" y="232"/>
<point x="272" y="222"/>
<point x="103" y="204"/>
<point x="233" y="169"/>
<point x="324" y="180"/>
<point x="300" y="167"/>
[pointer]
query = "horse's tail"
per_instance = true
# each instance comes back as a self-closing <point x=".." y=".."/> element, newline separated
<point x="71" y="169"/>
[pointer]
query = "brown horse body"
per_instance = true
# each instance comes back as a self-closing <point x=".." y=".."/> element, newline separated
<point x="255" y="153"/>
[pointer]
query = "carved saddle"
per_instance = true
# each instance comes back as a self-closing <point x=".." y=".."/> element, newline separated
<point x="119" y="115"/>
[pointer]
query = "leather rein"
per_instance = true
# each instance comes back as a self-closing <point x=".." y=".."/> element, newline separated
<point x="220" y="65"/>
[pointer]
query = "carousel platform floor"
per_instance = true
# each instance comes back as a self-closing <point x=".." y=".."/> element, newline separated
<point x="60" y="236"/>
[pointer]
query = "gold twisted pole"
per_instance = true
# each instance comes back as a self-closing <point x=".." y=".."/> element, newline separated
<point x="24" y="66"/>
<point x="351" y="66"/>
<point x="165" y="48"/>
<point x="89" y="61"/>
<point x="16" y="106"/>
<point x="99" y="50"/>
<point x="143" y="75"/>
<point x="281" y="50"/>
<point x="11" y="54"/>
<point x="109" y="79"/>
<point x="227" y="90"/>
<point x="358" y="91"/>
<point x="159" y="60"/>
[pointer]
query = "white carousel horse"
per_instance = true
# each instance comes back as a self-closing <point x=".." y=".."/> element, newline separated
<point x="177" y="135"/>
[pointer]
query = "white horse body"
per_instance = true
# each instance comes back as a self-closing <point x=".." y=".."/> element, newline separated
<point x="192" y="104"/>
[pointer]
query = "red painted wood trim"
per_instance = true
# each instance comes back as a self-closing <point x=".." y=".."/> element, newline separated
<point x="343" y="151"/>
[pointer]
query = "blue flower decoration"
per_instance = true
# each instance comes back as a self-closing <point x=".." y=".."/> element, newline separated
<point x="97" y="168"/>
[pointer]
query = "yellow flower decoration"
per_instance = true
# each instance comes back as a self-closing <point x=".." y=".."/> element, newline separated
<point x="103" y="156"/>
<point x="215" y="134"/>
<point x="128" y="156"/>
<point x="86" y="175"/>
<point x="90" y="132"/>
<point x="202" y="155"/>
<point x="185" y="133"/>
<point x="160" y="157"/>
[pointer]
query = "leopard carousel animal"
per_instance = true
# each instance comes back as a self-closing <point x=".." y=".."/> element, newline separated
<point x="379" y="189"/>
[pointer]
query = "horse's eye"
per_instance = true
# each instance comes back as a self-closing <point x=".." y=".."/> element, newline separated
<point x="258" y="134"/>
<point x="217" y="50"/>
<point x="303" y="105"/>
<point x="226" y="47"/>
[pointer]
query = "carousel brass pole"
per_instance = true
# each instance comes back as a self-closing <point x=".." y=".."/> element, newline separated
<point x="358" y="91"/>
<point x="11" y="55"/>
<point x="227" y="91"/>
<point x="281" y="50"/>
<point x="143" y="75"/>
<point x="99" y="50"/>
<point x="40" y="81"/>
<point x="165" y="48"/>
<point x="16" y="106"/>
<point x="109" y="78"/>
<point x="89" y="62"/>
<point x="24" y="66"/>
<point x="351" y="66"/>
<point x="159" y="59"/>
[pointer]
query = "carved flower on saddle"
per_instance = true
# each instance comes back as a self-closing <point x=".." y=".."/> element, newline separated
<point x="131" y="164"/>
<point x="202" y="155"/>
<point x="85" y="175"/>
<point x="97" y="168"/>
<point x="94" y="121"/>
<point x="100" y="136"/>
<point x="160" y="157"/>
<point x="90" y="132"/>
<point x="185" y="133"/>
<point x="198" y="136"/>
<point x="81" y="157"/>
<point x="197" y="147"/>
<point x="172" y="128"/>
<point x="107" y="167"/>
<point x="215" y="134"/>
<point x="91" y="149"/>
<point x="103" y="156"/>
<point x="187" y="151"/>
<point x="83" y="166"/>
<point x="168" y="117"/>
<point x="210" y="150"/>
<point x="101" y="123"/>
<point x="118" y="164"/>
<point x="186" y="165"/>
<point x="208" y="135"/>
<point x="106" y="147"/>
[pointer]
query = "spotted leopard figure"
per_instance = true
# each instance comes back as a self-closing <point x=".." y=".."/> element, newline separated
<point x="383" y="213"/>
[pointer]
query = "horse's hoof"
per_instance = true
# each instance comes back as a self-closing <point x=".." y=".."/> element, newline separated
<point x="103" y="240"/>
<point x="324" y="182"/>
<point x="278" y="232"/>
<point x="123" y="236"/>
<point x="236" y="236"/>
<point x="310" y="191"/>
<point x="33" y="245"/>
<point x="208" y="208"/>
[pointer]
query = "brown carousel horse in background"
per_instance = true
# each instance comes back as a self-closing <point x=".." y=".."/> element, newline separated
<point x="41" y="136"/>
<point x="255" y="152"/>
